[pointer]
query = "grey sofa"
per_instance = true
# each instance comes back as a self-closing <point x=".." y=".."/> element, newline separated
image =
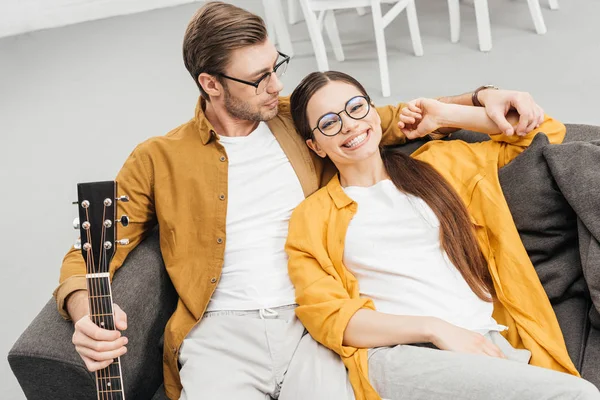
<point x="47" y="366"/>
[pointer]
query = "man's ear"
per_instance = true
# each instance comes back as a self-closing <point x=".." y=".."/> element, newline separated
<point x="314" y="146"/>
<point x="210" y="84"/>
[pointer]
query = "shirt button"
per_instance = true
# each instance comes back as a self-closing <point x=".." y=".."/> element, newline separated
<point x="219" y="240"/>
<point x="222" y="158"/>
<point x="222" y="197"/>
<point x="213" y="280"/>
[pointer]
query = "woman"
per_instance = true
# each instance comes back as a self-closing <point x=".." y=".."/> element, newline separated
<point x="399" y="257"/>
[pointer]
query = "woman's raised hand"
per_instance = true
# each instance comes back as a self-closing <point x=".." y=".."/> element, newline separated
<point x="420" y="117"/>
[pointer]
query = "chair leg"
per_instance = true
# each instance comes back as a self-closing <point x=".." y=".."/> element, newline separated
<point x="334" y="35"/>
<point x="361" y="11"/>
<point x="293" y="16"/>
<point x="314" y="31"/>
<point x="484" y="31"/>
<point x="381" y="48"/>
<point x="536" y="15"/>
<point x="274" y="13"/>
<point x="413" y="27"/>
<point x="269" y="21"/>
<point x="454" y="11"/>
<point x="553" y="4"/>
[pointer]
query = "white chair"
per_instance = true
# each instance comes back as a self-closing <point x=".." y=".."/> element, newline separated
<point x="482" y="16"/>
<point x="293" y="16"/>
<point x="277" y="27"/>
<point x="325" y="9"/>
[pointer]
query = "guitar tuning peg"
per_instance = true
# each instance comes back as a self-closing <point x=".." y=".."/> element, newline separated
<point x="77" y="244"/>
<point x="76" y="223"/>
<point x="124" y="220"/>
<point x="74" y="203"/>
<point x="124" y="199"/>
<point x="123" y="242"/>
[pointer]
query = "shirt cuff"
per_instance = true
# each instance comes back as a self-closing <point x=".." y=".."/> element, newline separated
<point x="70" y="285"/>
<point x="345" y="315"/>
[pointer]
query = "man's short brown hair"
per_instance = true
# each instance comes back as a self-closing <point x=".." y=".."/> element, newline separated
<point x="215" y="30"/>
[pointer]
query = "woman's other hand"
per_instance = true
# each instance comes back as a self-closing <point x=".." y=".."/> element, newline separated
<point x="453" y="338"/>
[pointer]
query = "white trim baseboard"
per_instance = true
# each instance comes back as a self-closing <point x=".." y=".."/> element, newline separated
<point x="27" y="16"/>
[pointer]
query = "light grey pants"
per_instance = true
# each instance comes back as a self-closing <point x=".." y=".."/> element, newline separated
<point x="258" y="355"/>
<point x="416" y="372"/>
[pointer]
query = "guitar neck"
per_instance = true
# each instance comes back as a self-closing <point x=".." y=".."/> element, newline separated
<point x="108" y="380"/>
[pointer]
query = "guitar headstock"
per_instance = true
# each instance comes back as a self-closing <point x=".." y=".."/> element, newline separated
<point x="97" y="224"/>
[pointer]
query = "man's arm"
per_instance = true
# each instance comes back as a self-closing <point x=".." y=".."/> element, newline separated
<point x="99" y="347"/>
<point x="135" y="180"/>
<point x="465" y="99"/>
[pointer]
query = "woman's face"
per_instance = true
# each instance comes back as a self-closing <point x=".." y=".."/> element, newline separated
<point x="358" y="139"/>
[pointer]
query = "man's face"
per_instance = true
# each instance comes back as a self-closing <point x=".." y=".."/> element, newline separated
<point x="250" y="64"/>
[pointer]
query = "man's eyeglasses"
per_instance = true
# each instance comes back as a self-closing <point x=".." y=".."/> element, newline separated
<point x="262" y="83"/>
<point x="331" y="124"/>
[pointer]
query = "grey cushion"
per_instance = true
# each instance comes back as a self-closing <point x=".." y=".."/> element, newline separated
<point x="576" y="168"/>
<point x="591" y="358"/>
<point x="548" y="229"/>
<point x="160" y="394"/>
<point x="546" y="223"/>
<point x="572" y="315"/>
<point x="581" y="133"/>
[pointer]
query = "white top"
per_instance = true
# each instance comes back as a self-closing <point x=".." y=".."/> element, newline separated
<point x="393" y="248"/>
<point x="263" y="190"/>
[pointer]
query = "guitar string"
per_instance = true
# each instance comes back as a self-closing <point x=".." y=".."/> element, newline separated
<point x="93" y="302"/>
<point x="104" y="312"/>
<point x="90" y="285"/>
<point x="105" y="285"/>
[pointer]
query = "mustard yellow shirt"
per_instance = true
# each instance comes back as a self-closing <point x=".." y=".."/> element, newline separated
<point x="179" y="181"/>
<point x="328" y="294"/>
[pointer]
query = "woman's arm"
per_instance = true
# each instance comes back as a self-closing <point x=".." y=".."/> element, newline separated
<point x="324" y="304"/>
<point x="471" y="118"/>
<point x="424" y="116"/>
<point x="369" y="328"/>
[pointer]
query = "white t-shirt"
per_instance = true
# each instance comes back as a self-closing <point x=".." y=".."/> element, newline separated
<point x="393" y="248"/>
<point x="263" y="190"/>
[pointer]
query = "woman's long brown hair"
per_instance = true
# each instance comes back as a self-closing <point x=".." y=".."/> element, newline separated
<point x="457" y="233"/>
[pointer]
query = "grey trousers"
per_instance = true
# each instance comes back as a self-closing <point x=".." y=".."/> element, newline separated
<point x="258" y="355"/>
<point x="416" y="372"/>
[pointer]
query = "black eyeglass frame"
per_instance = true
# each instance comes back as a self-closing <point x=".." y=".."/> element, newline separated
<point x="286" y="60"/>
<point x="339" y="115"/>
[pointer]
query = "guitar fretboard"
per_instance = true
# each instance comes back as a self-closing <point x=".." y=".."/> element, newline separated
<point x="100" y="300"/>
<point x="108" y="380"/>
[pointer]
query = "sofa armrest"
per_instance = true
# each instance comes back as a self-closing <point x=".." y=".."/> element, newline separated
<point x="44" y="359"/>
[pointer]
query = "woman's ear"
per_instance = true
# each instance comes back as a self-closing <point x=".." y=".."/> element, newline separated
<point x="314" y="146"/>
<point x="210" y="84"/>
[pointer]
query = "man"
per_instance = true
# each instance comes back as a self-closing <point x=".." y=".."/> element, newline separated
<point x="237" y="167"/>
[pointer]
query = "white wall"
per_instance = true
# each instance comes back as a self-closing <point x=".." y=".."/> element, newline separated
<point x="20" y="16"/>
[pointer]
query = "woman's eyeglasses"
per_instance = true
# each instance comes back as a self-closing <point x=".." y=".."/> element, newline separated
<point x="331" y="124"/>
<point x="262" y="83"/>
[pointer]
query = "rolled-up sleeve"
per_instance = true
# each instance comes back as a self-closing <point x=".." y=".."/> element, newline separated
<point x="324" y="305"/>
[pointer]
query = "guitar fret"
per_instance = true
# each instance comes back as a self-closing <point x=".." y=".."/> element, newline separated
<point x="109" y="377"/>
<point x="98" y="315"/>
<point x="96" y="297"/>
